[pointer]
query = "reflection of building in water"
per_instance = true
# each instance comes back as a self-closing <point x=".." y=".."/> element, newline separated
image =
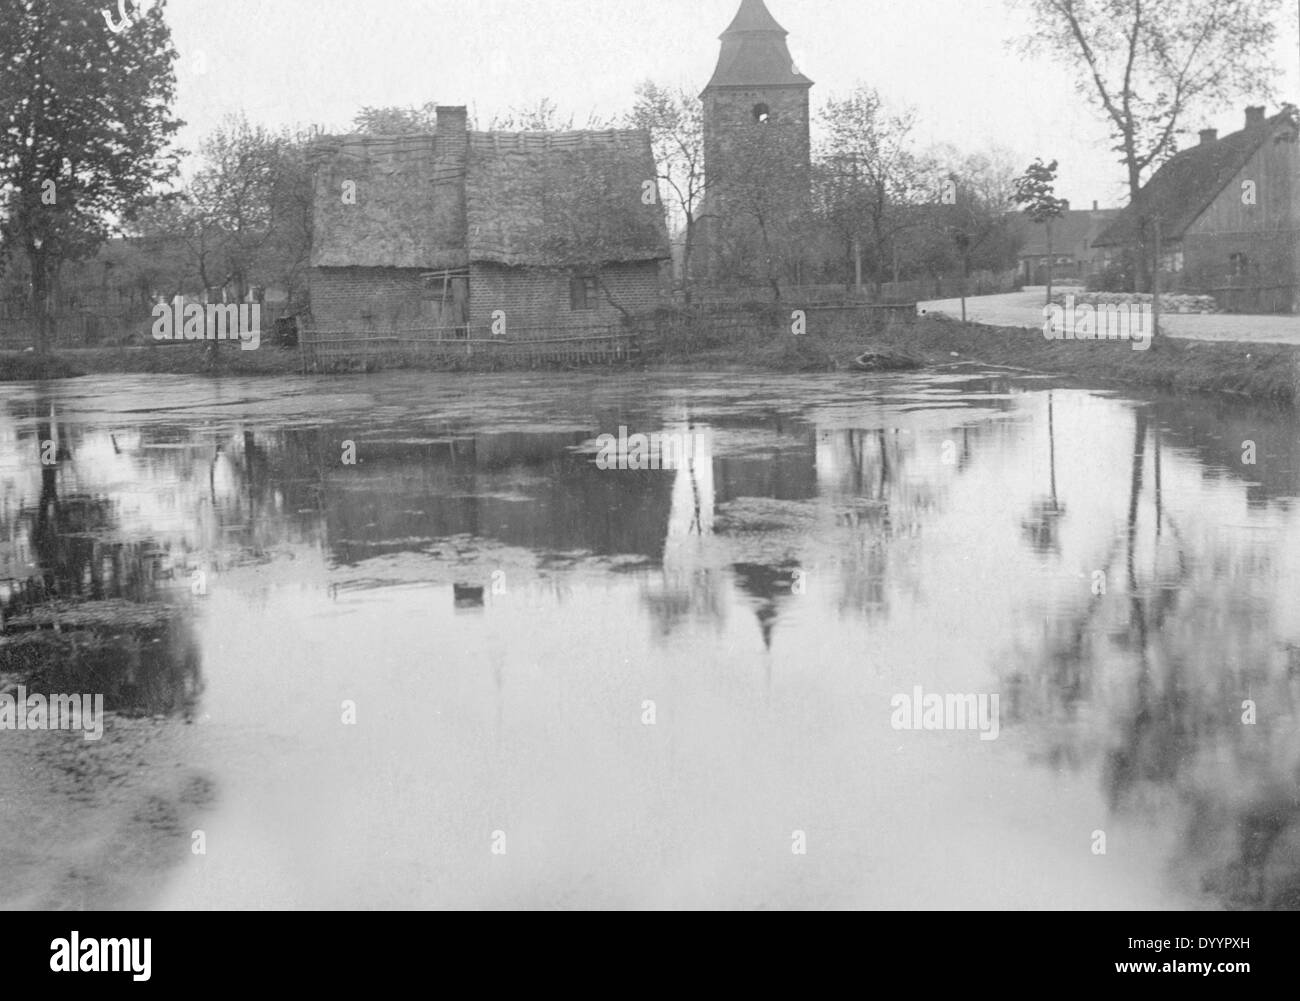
<point x="690" y="581"/>
<point x="525" y="489"/>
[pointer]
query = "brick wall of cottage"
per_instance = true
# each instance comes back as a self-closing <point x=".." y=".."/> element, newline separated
<point x="383" y="300"/>
<point x="534" y="297"/>
<point x="368" y="300"/>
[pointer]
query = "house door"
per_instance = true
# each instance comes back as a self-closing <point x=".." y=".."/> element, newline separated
<point x="446" y="303"/>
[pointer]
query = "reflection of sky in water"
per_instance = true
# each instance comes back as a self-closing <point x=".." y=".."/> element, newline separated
<point x="833" y="542"/>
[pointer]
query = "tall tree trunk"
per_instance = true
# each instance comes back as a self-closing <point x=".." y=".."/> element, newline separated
<point x="1051" y="262"/>
<point x="1140" y="273"/>
<point x="687" y="247"/>
<point x="212" y="346"/>
<point x="965" y="270"/>
<point x="1155" y="284"/>
<point x="38" y="262"/>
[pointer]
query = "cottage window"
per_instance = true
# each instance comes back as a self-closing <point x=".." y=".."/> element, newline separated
<point x="1238" y="263"/>
<point x="583" y="290"/>
<point x="762" y="114"/>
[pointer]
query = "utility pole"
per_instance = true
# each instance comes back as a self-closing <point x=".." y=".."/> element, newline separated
<point x="1155" y="285"/>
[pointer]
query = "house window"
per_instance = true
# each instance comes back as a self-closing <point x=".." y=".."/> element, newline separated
<point x="762" y="114"/>
<point x="1238" y="264"/>
<point x="583" y="290"/>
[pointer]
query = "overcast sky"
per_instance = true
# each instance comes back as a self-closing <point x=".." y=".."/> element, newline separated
<point x="303" y="62"/>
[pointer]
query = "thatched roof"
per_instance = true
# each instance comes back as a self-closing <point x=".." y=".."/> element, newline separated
<point x="410" y="203"/>
<point x="532" y="198"/>
<point x="1187" y="185"/>
<point x="563" y="198"/>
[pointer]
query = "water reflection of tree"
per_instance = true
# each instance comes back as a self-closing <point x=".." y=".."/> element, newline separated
<point x="878" y="507"/>
<point x="1148" y="680"/>
<point x="1042" y="527"/>
<point x="91" y="617"/>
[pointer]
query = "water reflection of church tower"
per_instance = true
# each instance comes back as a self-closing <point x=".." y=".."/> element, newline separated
<point x="689" y="584"/>
<point x="691" y="516"/>
<point x="769" y="587"/>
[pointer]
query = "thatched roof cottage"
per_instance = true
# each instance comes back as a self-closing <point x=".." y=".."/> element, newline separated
<point x="461" y="228"/>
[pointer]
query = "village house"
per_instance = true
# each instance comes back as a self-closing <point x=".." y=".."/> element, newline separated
<point x="477" y="234"/>
<point x="1229" y="216"/>
<point x="1073" y="251"/>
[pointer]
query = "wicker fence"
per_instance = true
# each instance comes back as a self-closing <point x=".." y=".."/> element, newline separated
<point x="466" y="347"/>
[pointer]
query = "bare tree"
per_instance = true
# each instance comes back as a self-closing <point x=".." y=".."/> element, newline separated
<point x="544" y="116"/>
<point x="1149" y="63"/>
<point x="971" y="227"/>
<point x="245" y="218"/>
<point x="394" y="121"/>
<point x="675" y="121"/>
<point x="867" y="176"/>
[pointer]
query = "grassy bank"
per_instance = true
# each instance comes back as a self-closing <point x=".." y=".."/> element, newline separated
<point x="762" y="341"/>
<point x="16" y="366"/>
<point x="1265" y="372"/>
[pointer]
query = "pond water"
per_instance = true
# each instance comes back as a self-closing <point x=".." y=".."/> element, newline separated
<point x="401" y="641"/>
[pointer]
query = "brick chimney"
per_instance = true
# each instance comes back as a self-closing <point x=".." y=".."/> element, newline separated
<point x="452" y="137"/>
<point x="1209" y="136"/>
<point x="1254" y="116"/>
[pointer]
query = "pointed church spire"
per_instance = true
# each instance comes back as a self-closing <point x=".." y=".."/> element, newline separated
<point x="754" y="16"/>
<point x="754" y="52"/>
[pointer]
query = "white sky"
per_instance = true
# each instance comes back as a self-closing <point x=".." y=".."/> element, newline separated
<point x="302" y="62"/>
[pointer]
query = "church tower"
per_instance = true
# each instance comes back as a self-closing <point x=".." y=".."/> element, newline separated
<point x="755" y="86"/>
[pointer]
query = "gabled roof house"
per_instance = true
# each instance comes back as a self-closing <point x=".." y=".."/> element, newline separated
<point x="1229" y="215"/>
